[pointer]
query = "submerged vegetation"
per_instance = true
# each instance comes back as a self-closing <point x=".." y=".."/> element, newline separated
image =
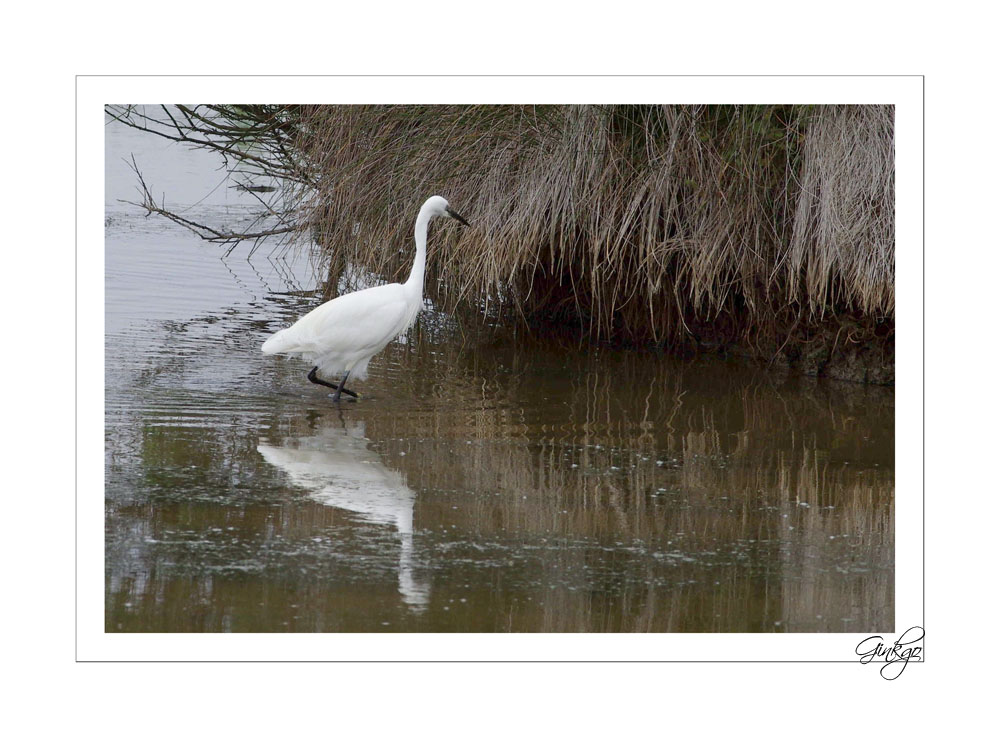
<point x="764" y="230"/>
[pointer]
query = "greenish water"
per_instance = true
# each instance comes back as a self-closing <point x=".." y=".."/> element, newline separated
<point x="479" y="485"/>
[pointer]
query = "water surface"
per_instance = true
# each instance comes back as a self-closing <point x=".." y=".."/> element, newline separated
<point x="481" y="484"/>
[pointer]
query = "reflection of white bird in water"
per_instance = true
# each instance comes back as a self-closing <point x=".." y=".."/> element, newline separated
<point x="342" y="335"/>
<point x="339" y="469"/>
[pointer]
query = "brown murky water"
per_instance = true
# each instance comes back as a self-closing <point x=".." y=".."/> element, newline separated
<point x="479" y="485"/>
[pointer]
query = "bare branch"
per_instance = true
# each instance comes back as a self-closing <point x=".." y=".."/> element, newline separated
<point x="148" y="203"/>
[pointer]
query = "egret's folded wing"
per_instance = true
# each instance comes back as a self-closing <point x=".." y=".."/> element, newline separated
<point x="358" y="321"/>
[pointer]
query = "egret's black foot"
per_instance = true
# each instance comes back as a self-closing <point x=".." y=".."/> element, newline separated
<point x="340" y="388"/>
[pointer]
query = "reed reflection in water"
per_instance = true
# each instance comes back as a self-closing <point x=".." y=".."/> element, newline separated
<point x="637" y="493"/>
<point x="504" y="486"/>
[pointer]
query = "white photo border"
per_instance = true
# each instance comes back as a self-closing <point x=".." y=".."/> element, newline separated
<point x="906" y="93"/>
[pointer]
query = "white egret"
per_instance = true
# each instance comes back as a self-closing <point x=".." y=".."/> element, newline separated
<point x="343" y="334"/>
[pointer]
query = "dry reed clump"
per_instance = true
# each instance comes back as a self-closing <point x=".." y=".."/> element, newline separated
<point x="664" y="224"/>
<point x="844" y="216"/>
<point x="768" y="229"/>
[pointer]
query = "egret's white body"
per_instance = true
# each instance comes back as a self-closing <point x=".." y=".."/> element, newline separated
<point x="341" y="336"/>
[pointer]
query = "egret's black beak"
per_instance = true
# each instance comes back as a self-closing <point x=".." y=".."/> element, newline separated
<point x="456" y="216"/>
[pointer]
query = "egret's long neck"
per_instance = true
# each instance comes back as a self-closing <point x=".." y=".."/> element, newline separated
<point x="416" y="279"/>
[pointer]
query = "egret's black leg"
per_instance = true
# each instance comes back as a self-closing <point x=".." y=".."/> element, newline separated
<point x="316" y="380"/>
<point x="336" y="397"/>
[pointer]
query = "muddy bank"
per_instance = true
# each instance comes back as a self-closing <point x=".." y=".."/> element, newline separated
<point x="838" y="348"/>
<point x="865" y="363"/>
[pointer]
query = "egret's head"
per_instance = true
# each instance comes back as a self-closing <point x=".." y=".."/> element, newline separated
<point x="437" y="205"/>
